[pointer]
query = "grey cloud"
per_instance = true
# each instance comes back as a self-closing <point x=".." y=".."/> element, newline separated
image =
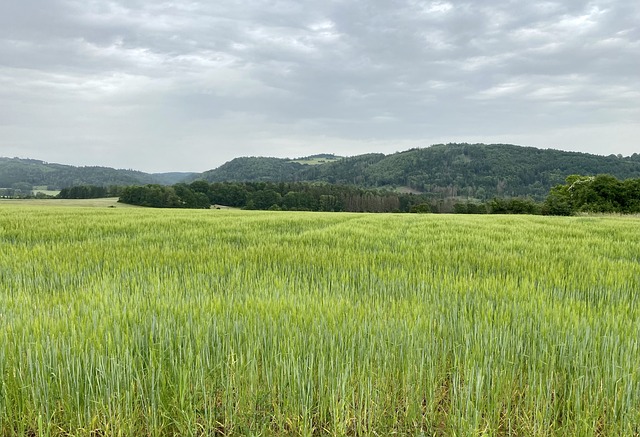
<point x="216" y="78"/>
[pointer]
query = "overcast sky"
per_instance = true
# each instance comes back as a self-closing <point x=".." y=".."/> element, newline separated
<point x="187" y="85"/>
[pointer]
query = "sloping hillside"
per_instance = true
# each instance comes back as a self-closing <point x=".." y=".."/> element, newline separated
<point x="450" y="170"/>
<point x="480" y="171"/>
<point x="16" y="172"/>
<point x="255" y="169"/>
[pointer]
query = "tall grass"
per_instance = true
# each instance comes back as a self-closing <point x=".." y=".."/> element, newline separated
<point x="155" y="322"/>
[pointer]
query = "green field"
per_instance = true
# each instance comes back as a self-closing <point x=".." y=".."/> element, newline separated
<point x="317" y="160"/>
<point x="219" y="322"/>
<point x="44" y="190"/>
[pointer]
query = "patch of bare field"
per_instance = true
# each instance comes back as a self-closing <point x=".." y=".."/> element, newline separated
<point x="107" y="202"/>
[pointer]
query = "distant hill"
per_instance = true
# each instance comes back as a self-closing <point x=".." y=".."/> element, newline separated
<point x="263" y="169"/>
<point x="171" y="178"/>
<point x="16" y="172"/>
<point x="474" y="171"/>
<point x="480" y="171"/>
<point x="254" y="169"/>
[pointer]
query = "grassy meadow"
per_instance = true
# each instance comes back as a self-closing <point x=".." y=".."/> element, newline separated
<point x="220" y="322"/>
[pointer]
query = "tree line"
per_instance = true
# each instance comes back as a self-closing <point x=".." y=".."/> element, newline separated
<point x="288" y="196"/>
<point x="304" y="196"/>
<point x="90" y="192"/>
<point x="598" y="194"/>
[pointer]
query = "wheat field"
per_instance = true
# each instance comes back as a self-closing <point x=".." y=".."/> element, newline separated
<point x="185" y="322"/>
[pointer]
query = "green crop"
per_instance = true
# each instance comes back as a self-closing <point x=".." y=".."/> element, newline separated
<point x="172" y="322"/>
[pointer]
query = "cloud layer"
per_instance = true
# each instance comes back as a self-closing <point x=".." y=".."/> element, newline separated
<point x="188" y="85"/>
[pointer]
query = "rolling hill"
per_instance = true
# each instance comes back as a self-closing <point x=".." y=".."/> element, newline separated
<point x="474" y="171"/>
<point x="480" y="171"/>
<point x="23" y="173"/>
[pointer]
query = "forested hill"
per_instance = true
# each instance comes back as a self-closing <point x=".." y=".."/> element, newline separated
<point x="261" y="169"/>
<point x="21" y="173"/>
<point x="255" y="169"/>
<point x="479" y="171"/>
